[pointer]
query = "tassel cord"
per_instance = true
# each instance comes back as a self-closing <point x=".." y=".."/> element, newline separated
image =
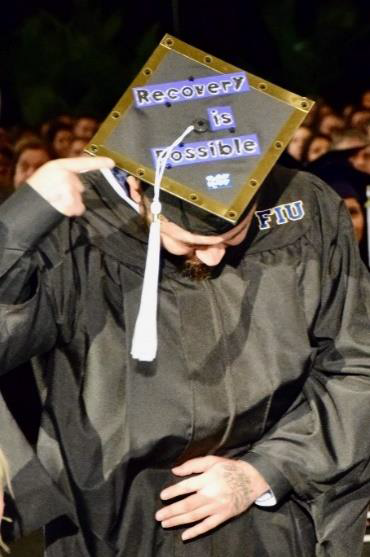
<point x="145" y="341"/>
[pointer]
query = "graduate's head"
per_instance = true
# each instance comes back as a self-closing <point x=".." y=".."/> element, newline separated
<point x="205" y="134"/>
<point x="190" y="232"/>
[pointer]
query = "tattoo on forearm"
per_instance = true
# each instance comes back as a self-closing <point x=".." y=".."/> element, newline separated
<point x="239" y="485"/>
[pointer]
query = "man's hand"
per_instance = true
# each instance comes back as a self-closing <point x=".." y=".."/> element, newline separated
<point x="223" y="488"/>
<point x="57" y="182"/>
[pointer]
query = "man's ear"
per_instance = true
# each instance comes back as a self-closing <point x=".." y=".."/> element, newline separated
<point x="135" y="189"/>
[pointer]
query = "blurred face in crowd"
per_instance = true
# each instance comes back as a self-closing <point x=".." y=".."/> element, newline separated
<point x="27" y="135"/>
<point x="361" y="160"/>
<point x="77" y="147"/>
<point x="357" y="216"/>
<point x="323" y="109"/>
<point x="85" y="128"/>
<point x="297" y="142"/>
<point x="331" y="123"/>
<point x="5" y="170"/>
<point x="349" y="142"/>
<point x="365" y="100"/>
<point x="309" y="121"/>
<point x="28" y="162"/>
<point x="66" y="119"/>
<point x="4" y="138"/>
<point x="347" y="110"/>
<point x="360" y="119"/>
<point x="318" y="147"/>
<point x="62" y="143"/>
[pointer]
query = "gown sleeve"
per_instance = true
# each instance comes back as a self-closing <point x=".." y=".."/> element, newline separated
<point x="323" y="441"/>
<point x="27" y="322"/>
<point x="28" y="327"/>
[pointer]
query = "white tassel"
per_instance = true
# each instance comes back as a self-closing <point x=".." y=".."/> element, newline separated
<point x="145" y="341"/>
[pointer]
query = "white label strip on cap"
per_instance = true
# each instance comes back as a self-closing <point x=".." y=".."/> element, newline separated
<point x="110" y="177"/>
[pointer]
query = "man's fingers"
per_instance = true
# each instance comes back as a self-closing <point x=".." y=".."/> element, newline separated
<point x="205" y="526"/>
<point x="195" y="465"/>
<point x="188" y="518"/>
<point x="84" y="164"/>
<point x="79" y="209"/>
<point x="181" y="507"/>
<point x="182" y="488"/>
<point x="80" y="187"/>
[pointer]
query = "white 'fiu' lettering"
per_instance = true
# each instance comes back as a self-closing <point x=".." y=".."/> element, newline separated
<point x="281" y="214"/>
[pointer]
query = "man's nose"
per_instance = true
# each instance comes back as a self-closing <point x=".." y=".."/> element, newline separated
<point x="211" y="255"/>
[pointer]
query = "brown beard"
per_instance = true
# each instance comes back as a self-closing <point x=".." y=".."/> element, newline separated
<point x="194" y="269"/>
<point x="191" y="267"/>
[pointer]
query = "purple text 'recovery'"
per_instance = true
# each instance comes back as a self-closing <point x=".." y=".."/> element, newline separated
<point x="190" y="90"/>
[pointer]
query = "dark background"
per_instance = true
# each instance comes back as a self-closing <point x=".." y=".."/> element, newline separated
<point x="78" y="56"/>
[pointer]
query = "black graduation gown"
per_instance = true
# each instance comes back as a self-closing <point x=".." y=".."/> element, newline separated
<point x="267" y="361"/>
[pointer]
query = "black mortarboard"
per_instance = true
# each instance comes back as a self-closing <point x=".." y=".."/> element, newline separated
<point x="241" y="126"/>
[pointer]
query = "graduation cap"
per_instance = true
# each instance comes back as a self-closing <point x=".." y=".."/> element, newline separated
<point x="241" y="125"/>
<point x="201" y="130"/>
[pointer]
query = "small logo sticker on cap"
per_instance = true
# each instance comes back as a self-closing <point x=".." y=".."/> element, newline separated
<point x="218" y="181"/>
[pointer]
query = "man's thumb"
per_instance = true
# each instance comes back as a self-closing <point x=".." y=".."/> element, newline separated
<point x="84" y="164"/>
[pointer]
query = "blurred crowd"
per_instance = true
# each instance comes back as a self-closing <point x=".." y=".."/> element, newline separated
<point x="334" y="145"/>
<point x="24" y="150"/>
